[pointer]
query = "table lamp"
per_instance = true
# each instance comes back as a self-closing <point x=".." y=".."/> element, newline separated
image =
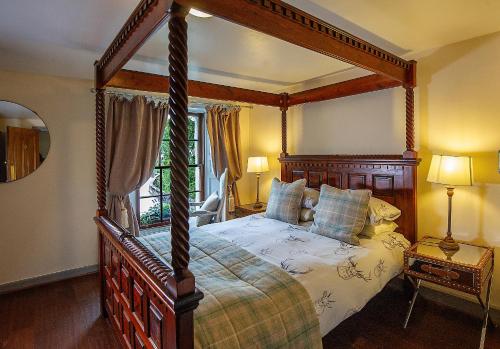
<point x="257" y="165"/>
<point x="450" y="171"/>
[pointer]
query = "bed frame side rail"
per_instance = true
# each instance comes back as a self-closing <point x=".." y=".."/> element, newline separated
<point x="144" y="302"/>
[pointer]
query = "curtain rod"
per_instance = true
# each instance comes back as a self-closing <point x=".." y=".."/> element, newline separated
<point x="201" y="101"/>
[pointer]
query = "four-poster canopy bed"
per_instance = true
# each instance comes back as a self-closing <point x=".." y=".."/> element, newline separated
<point x="150" y="304"/>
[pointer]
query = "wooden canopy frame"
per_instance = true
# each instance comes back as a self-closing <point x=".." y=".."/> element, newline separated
<point x="151" y="304"/>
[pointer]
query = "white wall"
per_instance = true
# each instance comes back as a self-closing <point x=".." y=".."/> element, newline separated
<point x="46" y="218"/>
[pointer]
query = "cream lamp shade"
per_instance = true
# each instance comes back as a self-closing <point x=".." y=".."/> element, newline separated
<point x="450" y="170"/>
<point x="257" y="164"/>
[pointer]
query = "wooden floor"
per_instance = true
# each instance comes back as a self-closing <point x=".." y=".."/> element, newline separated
<point x="61" y="315"/>
<point x="66" y="315"/>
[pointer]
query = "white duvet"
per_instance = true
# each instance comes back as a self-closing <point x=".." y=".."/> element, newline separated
<point x="339" y="278"/>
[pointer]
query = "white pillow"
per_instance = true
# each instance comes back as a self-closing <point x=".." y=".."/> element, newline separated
<point x="371" y="230"/>
<point x="210" y="205"/>
<point x="379" y="210"/>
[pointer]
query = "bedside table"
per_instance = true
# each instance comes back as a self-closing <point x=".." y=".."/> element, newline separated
<point x="247" y="210"/>
<point x="469" y="270"/>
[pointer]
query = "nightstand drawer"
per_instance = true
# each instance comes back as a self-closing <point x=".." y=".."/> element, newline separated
<point x="466" y="269"/>
<point x="443" y="274"/>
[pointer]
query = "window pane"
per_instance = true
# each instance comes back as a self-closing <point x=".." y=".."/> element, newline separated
<point x="164" y="153"/>
<point x="154" y="187"/>
<point x="150" y="188"/>
<point x="193" y="127"/>
<point x="193" y="152"/>
<point x="166" y="131"/>
<point x="166" y="181"/>
<point x="193" y="182"/>
<point x="194" y="197"/>
<point x="166" y="207"/>
<point x="198" y="178"/>
<point x="150" y="211"/>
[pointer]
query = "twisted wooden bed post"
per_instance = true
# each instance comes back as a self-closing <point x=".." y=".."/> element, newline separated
<point x="178" y="110"/>
<point x="410" y="112"/>
<point x="100" y="127"/>
<point x="100" y="157"/>
<point x="410" y="127"/>
<point x="284" y="108"/>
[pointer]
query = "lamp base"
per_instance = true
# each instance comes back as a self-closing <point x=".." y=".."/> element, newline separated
<point x="449" y="244"/>
<point x="258" y="205"/>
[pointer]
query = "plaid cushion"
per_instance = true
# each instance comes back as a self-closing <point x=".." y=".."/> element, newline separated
<point x="341" y="214"/>
<point x="285" y="199"/>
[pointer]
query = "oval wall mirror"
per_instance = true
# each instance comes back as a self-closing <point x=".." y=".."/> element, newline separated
<point x="24" y="141"/>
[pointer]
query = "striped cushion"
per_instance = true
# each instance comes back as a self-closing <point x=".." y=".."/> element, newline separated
<point x="284" y="200"/>
<point x="341" y="214"/>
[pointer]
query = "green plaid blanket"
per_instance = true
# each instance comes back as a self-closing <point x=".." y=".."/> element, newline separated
<point x="248" y="303"/>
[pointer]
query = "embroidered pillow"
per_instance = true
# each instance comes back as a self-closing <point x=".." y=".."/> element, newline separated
<point x="341" y="214"/>
<point x="371" y="230"/>
<point x="284" y="200"/>
<point x="379" y="210"/>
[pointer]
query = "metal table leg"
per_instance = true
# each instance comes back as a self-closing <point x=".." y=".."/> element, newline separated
<point x="483" y="306"/>
<point x="486" y="310"/>
<point x="412" y="303"/>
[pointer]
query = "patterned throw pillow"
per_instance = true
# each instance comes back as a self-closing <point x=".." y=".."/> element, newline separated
<point x="284" y="201"/>
<point x="379" y="210"/>
<point x="371" y="230"/>
<point x="341" y="214"/>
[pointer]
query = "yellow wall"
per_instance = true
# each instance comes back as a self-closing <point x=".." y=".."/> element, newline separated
<point x="457" y="112"/>
<point x="265" y="125"/>
<point x="245" y="181"/>
<point x="459" y="90"/>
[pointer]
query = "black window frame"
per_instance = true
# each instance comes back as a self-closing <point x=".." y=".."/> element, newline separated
<point x="200" y="165"/>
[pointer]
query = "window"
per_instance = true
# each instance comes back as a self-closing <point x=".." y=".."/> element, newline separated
<point x="153" y="198"/>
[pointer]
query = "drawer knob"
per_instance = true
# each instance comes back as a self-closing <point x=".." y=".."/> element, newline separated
<point x="442" y="273"/>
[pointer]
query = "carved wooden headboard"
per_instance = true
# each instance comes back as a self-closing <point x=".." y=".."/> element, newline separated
<point x="391" y="178"/>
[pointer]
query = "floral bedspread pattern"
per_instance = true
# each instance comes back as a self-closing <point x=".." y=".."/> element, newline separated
<point x="340" y="278"/>
<point x="248" y="303"/>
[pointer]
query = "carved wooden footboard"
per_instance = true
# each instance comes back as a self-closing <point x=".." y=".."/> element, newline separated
<point x="145" y="304"/>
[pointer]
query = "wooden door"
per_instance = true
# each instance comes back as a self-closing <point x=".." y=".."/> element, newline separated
<point x="22" y="152"/>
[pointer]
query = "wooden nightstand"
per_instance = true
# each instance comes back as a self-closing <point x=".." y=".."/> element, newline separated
<point x="470" y="270"/>
<point x="247" y="210"/>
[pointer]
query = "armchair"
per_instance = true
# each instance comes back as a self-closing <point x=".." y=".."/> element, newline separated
<point x="206" y="215"/>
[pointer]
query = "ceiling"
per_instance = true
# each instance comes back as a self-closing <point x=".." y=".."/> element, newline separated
<point x="64" y="37"/>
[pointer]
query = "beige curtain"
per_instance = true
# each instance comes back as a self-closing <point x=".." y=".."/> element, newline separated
<point x="134" y="130"/>
<point x="223" y="125"/>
